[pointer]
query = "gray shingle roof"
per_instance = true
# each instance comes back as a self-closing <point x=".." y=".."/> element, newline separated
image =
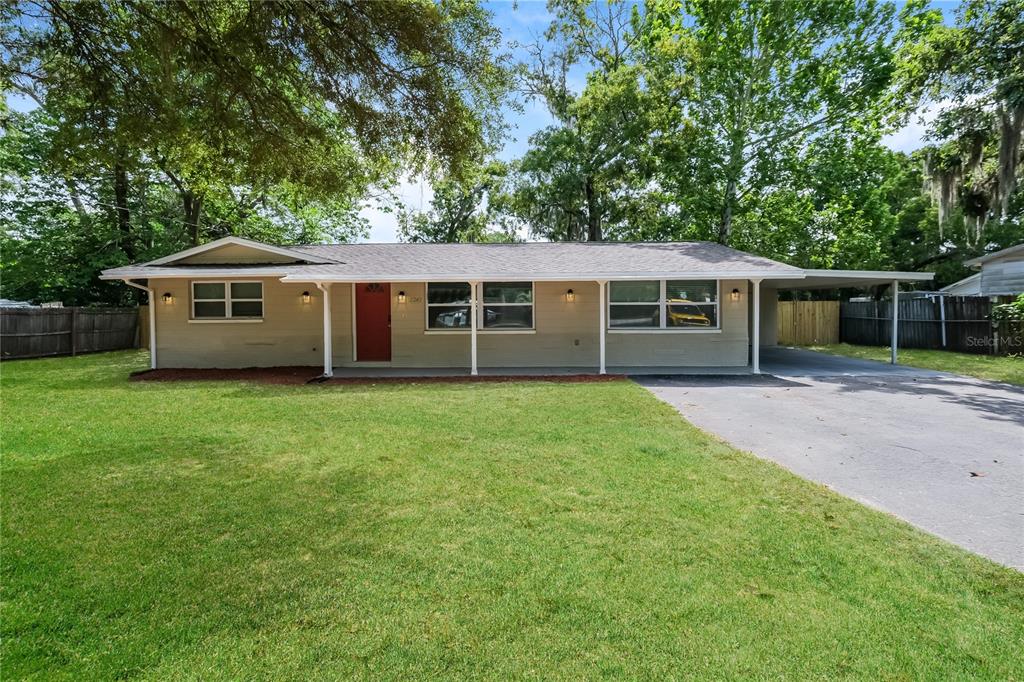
<point x="533" y="260"/>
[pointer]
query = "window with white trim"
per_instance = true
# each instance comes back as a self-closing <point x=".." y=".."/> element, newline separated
<point x="507" y="305"/>
<point x="448" y="305"/>
<point x="663" y="304"/>
<point x="227" y="300"/>
<point x="502" y="306"/>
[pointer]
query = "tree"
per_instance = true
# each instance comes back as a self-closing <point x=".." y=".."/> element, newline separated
<point x="163" y="124"/>
<point x="59" y="231"/>
<point x="236" y="101"/>
<point x="976" y="67"/>
<point x="747" y="84"/>
<point x="577" y="180"/>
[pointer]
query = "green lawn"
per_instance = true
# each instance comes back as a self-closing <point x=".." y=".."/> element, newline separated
<point x="1009" y="369"/>
<point x="530" y="530"/>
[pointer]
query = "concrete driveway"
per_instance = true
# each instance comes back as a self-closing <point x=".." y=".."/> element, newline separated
<point x="944" y="452"/>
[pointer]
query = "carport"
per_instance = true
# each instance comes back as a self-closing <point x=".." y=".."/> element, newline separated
<point x="766" y="318"/>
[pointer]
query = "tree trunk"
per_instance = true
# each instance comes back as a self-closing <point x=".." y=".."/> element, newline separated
<point x="725" y="227"/>
<point x="734" y="172"/>
<point x="124" y="218"/>
<point x="193" y="207"/>
<point x="1011" y="125"/>
<point x="593" y="212"/>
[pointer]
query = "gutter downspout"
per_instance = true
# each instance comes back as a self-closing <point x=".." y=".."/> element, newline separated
<point x="152" y="321"/>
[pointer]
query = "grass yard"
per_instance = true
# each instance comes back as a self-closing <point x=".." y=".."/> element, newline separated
<point x="1009" y="369"/>
<point x="537" y="530"/>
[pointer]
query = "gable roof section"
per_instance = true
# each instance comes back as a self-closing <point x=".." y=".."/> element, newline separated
<point x="555" y="261"/>
<point x="1017" y="250"/>
<point x="274" y="253"/>
<point x="536" y="261"/>
<point x="970" y="285"/>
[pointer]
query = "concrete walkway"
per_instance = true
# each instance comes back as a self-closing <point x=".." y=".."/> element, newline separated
<point x="944" y="452"/>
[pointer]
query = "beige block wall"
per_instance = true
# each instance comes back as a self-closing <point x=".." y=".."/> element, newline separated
<point x="566" y="335"/>
<point x="726" y="347"/>
<point x="341" y="323"/>
<point x="291" y="332"/>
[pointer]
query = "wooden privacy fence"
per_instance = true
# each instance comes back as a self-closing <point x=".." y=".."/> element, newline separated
<point x="808" y="323"/>
<point x="143" y="326"/>
<point x="39" y="332"/>
<point x="956" y="323"/>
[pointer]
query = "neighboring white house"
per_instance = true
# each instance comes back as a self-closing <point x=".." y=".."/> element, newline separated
<point x="1001" y="274"/>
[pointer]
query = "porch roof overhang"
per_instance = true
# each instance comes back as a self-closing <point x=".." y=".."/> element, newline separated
<point x="846" y="279"/>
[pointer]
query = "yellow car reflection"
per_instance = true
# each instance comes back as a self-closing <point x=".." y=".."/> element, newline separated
<point x="683" y="313"/>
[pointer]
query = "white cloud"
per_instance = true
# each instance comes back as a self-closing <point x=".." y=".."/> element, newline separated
<point x="911" y="136"/>
<point x="908" y="138"/>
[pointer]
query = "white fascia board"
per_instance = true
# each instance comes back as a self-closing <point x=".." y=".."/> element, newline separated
<point x="872" y="274"/>
<point x="238" y="241"/>
<point x="201" y="274"/>
<point x="995" y="255"/>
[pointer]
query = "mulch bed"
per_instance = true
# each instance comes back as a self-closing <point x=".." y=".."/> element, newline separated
<point x="306" y="375"/>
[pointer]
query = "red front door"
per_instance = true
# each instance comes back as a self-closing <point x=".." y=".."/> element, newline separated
<point x="373" y="322"/>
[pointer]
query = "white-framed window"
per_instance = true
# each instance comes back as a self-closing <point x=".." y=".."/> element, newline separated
<point x="501" y="306"/>
<point x="227" y="300"/>
<point x="448" y="305"/>
<point x="506" y="305"/>
<point x="664" y="304"/>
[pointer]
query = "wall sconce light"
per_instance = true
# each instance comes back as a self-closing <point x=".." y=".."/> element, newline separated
<point x="735" y="295"/>
<point x="167" y="298"/>
<point x="401" y="297"/>
<point x="570" y="296"/>
<point x="306" y="298"/>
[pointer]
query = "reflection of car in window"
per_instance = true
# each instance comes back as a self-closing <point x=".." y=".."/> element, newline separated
<point x="683" y="313"/>
<point x="455" y="318"/>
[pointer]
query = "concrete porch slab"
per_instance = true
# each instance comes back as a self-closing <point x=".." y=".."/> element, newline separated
<point x="423" y="372"/>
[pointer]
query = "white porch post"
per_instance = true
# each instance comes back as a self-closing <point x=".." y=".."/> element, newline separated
<point x="602" y="288"/>
<point x="895" y="320"/>
<point x="152" y="328"/>
<point x="472" y="328"/>
<point x="328" y="349"/>
<point x="755" y="350"/>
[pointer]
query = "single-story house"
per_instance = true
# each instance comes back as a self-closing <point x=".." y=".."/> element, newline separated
<point x="1000" y="274"/>
<point x="586" y="306"/>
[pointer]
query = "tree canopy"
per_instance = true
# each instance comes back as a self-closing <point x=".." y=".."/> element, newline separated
<point x="755" y="123"/>
<point x="270" y="119"/>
